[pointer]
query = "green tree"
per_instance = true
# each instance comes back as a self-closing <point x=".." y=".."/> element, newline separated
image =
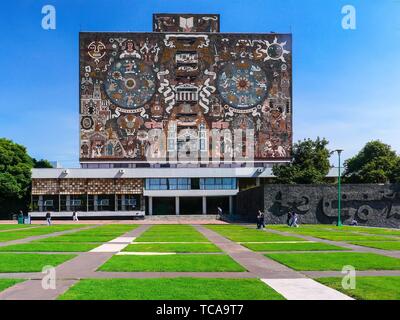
<point x="310" y="163"/>
<point x="375" y="163"/>
<point x="15" y="177"/>
<point x="42" y="163"/>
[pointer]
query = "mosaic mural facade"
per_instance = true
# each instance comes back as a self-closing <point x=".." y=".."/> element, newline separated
<point x="167" y="22"/>
<point x="183" y="86"/>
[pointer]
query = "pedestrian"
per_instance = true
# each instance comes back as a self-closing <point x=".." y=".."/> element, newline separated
<point x="75" y="216"/>
<point x="294" y="220"/>
<point x="258" y="220"/>
<point x="289" y="218"/>
<point x="219" y="213"/>
<point x="262" y="219"/>
<point x="48" y="218"/>
<point x="354" y="222"/>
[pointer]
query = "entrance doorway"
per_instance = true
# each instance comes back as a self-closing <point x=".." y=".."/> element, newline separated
<point x="163" y="206"/>
<point x="190" y="205"/>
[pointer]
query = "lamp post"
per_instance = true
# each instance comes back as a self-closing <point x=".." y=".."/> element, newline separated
<point x="339" y="221"/>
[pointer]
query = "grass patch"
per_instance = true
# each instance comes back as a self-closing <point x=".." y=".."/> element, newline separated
<point x="368" y="288"/>
<point x="303" y="246"/>
<point x="7" y="283"/>
<point x="384" y="245"/>
<point x="15" y="226"/>
<point x="335" y="261"/>
<point x="352" y="237"/>
<point x="30" y="262"/>
<point x="171" y="289"/>
<point x="171" y="233"/>
<point x="242" y="234"/>
<point x="103" y="233"/>
<point x="173" y="263"/>
<point x="172" y="247"/>
<point x="31" y="232"/>
<point x="49" y="247"/>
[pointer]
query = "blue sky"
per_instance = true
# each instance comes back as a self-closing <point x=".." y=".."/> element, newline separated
<point x="346" y="82"/>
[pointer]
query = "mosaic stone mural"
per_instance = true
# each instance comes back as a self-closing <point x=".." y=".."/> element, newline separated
<point x="167" y="22"/>
<point x="183" y="84"/>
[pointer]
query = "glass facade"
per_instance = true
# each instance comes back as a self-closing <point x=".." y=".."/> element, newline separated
<point x="191" y="184"/>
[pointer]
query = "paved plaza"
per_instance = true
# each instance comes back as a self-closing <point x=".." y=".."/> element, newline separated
<point x="275" y="263"/>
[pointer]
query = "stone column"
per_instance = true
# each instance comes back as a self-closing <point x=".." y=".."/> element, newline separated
<point x="258" y="182"/>
<point x="40" y="203"/>
<point x="204" y="205"/>
<point x="95" y="206"/>
<point x="177" y="211"/>
<point x="230" y="204"/>
<point x="68" y="203"/>
<point x="150" y="206"/>
<point x="123" y="207"/>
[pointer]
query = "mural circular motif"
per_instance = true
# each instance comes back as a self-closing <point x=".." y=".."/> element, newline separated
<point x="130" y="83"/>
<point x="87" y="123"/>
<point x="242" y="83"/>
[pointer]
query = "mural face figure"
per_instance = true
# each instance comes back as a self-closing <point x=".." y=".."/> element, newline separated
<point x="97" y="50"/>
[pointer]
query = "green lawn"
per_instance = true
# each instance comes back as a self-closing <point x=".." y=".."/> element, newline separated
<point x="30" y="262"/>
<point x="171" y="289"/>
<point x="49" y="247"/>
<point x="6" y="283"/>
<point x="336" y="261"/>
<point x="16" y="226"/>
<point x="384" y="245"/>
<point x="175" y="262"/>
<point x="368" y="288"/>
<point x="171" y="233"/>
<point x="302" y="246"/>
<point x="243" y="234"/>
<point x="102" y="233"/>
<point x="172" y="247"/>
<point x="30" y="232"/>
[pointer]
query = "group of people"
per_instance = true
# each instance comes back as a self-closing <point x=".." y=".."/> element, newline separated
<point x="292" y="219"/>
<point x="48" y="217"/>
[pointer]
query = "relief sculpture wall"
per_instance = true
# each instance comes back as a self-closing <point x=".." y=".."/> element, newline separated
<point x="369" y="204"/>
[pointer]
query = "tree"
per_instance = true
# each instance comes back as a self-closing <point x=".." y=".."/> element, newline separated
<point x="42" y="163"/>
<point x="310" y="163"/>
<point x="15" y="177"/>
<point x="375" y="163"/>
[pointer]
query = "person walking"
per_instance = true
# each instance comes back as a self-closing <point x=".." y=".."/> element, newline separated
<point x="262" y="219"/>
<point x="219" y="213"/>
<point x="289" y="218"/>
<point x="295" y="217"/>
<point x="75" y="216"/>
<point x="48" y="218"/>
<point x="258" y="220"/>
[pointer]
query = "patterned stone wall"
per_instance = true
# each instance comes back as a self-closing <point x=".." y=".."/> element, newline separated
<point x="86" y="186"/>
<point x="369" y="204"/>
<point x="167" y="22"/>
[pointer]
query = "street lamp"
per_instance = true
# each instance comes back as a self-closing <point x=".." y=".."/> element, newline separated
<point x="339" y="221"/>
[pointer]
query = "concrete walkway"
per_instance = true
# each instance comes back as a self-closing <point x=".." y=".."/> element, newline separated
<point x="304" y="289"/>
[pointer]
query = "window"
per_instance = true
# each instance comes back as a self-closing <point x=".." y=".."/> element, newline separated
<point x="48" y="203"/>
<point x="218" y="183"/>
